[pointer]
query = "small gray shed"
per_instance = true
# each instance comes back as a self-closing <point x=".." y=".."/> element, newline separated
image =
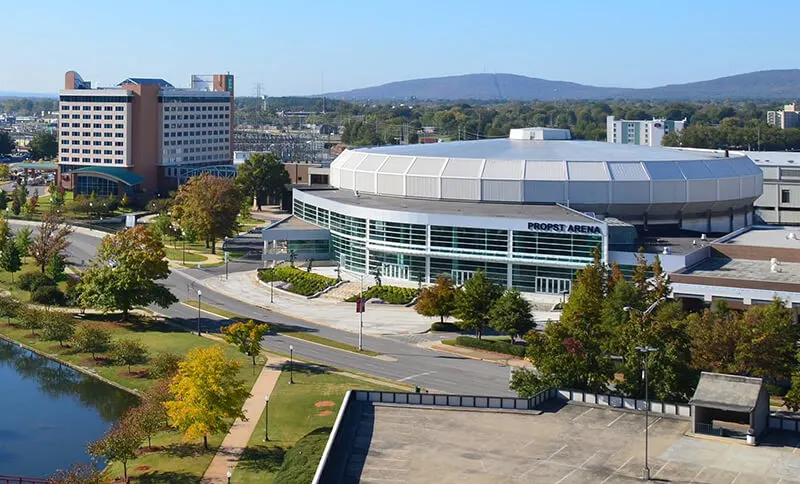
<point x="730" y="405"/>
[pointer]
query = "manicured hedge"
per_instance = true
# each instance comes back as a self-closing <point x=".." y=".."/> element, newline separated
<point x="450" y="327"/>
<point x="489" y="345"/>
<point x="302" y="282"/>
<point x="389" y="294"/>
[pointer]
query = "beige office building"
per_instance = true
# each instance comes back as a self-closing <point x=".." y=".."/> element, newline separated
<point x="143" y="134"/>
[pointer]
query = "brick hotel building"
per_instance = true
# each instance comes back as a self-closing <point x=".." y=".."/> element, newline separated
<point x="136" y="136"/>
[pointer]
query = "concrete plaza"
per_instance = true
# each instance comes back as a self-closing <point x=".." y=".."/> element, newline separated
<point x="570" y="444"/>
<point x="379" y="319"/>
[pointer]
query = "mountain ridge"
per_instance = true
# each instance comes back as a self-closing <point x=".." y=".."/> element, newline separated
<point x="767" y="84"/>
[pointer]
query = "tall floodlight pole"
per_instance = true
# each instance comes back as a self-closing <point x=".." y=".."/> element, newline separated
<point x="199" y="296"/>
<point x="361" y="308"/>
<point x="646" y="350"/>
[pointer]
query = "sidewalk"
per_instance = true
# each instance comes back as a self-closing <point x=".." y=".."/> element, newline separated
<point x="233" y="445"/>
<point x="379" y="319"/>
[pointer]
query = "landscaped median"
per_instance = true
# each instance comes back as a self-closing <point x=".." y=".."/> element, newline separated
<point x="388" y="294"/>
<point x="296" y="280"/>
<point x="503" y="346"/>
<point x="290" y="331"/>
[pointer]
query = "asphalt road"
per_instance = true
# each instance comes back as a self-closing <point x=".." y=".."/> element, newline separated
<point x="410" y="364"/>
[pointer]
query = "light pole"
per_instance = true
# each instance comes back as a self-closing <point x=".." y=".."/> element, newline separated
<point x="199" y="298"/>
<point x="228" y="474"/>
<point x="183" y="238"/>
<point x="266" y="418"/>
<point x="91" y="209"/>
<point x="272" y="283"/>
<point x="646" y="350"/>
<point x="361" y="307"/>
<point x="291" y="364"/>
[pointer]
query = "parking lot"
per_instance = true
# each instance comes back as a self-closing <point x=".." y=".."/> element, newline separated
<point x="561" y="445"/>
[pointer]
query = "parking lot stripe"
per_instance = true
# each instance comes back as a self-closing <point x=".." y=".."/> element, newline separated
<point x="700" y="471"/>
<point x="416" y="376"/>
<point x="615" y="420"/>
<point x="617" y="470"/>
<point x="566" y="475"/>
<point x="736" y="477"/>
<point x="581" y="415"/>
<point x="654" y="422"/>
<point x="539" y="462"/>
<point x="661" y="468"/>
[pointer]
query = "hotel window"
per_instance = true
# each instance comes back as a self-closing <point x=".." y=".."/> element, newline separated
<point x="97" y="152"/>
<point x="97" y="125"/>
<point x="109" y="108"/>
<point x="106" y="152"/>
<point x="76" y="116"/>
<point x="97" y="116"/>
<point x="119" y="117"/>
<point x="119" y="108"/>
<point x="119" y="126"/>
<point x="118" y="143"/>
<point x="108" y="117"/>
<point x="87" y="108"/>
<point x="97" y="143"/>
<point x="107" y="143"/>
<point x="107" y="126"/>
<point x="87" y="116"/>
<point x="64" y="141"/>
<point x="785" y="196"/>
<point x="98" y="108"/>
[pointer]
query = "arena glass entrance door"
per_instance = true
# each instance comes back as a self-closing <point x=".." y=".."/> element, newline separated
<point x="460" y="277"/>
<point x="553" y="285"/>
<point x="395" y="271"/>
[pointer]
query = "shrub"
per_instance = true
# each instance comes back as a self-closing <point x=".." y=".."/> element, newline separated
<point x="437" y="326"/>
<point x="128" y="352"/>
<point x="489" y="345"/>
<point x="90" y="338"/>
<point x="303" y="283"/>
<point x="48" y="295"/>
<point x="164" y="365"/>
<point x="389" y="294"/>
<point x="73" y="292"/>
<point x="32" y="280"/>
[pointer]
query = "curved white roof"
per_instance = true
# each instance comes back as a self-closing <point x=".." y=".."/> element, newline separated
<point x="607" y="178"/>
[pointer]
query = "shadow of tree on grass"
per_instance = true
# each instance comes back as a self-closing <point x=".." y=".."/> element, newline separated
<point x="262" y="458"/>
<point x="157" y="477"/>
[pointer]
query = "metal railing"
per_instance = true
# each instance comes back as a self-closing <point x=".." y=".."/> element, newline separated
<point x="22" y="480"/>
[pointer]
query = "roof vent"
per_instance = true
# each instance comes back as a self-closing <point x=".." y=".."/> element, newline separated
<point x="355" y="193"/>
<point x="539" y="134"/>
<point x="694" y="242"/>
<point x="791" y="236"/>
<point x="702" y="236"/>
<point x="774" y="265"/>
<point x="667" y="251"/>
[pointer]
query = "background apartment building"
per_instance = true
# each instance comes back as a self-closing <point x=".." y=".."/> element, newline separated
<point x="789" y="117"/>
<point x="143" y="133"/>
<point x="647" y="133"/>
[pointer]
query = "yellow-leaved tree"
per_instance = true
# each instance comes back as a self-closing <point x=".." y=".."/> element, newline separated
<point x="246" y="336"/>
<point x="207" y="394"/>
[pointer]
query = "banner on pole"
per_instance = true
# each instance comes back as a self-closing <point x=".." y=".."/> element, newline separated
<point x="360" y="305"/>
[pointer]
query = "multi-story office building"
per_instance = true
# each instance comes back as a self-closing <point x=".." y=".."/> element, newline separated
<point x="647" y="133"/>
<point x="789" y="117"/>
<point x="139" y="134"/>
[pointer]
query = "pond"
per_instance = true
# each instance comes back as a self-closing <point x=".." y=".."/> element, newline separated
<point x="49" y="413"/>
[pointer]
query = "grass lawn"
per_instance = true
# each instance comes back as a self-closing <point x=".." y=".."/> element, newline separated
<point x="155" y="335"/>
<point x="285" y="330"/>
<point x="28" y="266"/>
<point x="293" y="414"/>
<point x="177" y="255"/>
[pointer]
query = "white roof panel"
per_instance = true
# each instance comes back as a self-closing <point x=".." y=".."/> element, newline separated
<point x="546" y="170"/>
<point x="663" y="170"/>
<point x="427" y="166"/>
<point x="371" y="163"/>
<point x="627" y="171"/>
<point x="396" y="164"/>
<point x="694" y="170"/>
<point x="463" y="167"/>
<point x="503" y="170"/>
<point x="722" y="168"/>
<point x="587" y="170"/>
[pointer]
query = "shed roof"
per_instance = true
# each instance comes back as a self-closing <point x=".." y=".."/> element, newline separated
<point x="146" y="81"/>
<point x="727" y="392"/>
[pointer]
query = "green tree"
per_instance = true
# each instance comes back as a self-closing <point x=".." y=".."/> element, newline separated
<point x="768" y="341"/>
<point x="52" y="238"/>
<point x="124" y="272"/>
<point x="3" y="200"/>
<point x="7" y="144"/>
<point x="147" y="418"/>
<point x="24" y="240"/>
<point x="474" y="302"/>
<point x="9" y="307"/>
<point x="30" y="318"/>
<point x="77" y="474"/>
<point x="10" y="259"/>
<point x="207" y="394"/>
<point x="58" y="326"/>
<point x="246" y="336"/>
<point x="90" y="338"/>
<point x="128" y="352"/>
<point x="792" y="398"/>
<point x="55" y="267"/>
<point x="439" y="299"/>
<point x="119" y="444"/>
<point x="44" y="145"/>
<point x="263" y="178"/>
<point x="31" y="205"/>
<point x="5" y="172"/>
<point x="511" y="314"/>
<point x="20" y="195"/>
<point x="208" y="206"/>
<point x="164" y="365"/>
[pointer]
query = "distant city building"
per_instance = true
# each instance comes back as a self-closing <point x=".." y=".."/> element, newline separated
<point x="789" y="117"/>
<point x="647" y="133"/>
<point x="142" y="134"/>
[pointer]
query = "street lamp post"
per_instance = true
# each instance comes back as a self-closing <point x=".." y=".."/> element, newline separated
<point x="183" y="238"/>
<point x="272" y="283"/>
<point x="646" y="350"/>
<point x="291" y="364"/>
<point x="91" y="209"/>
<point x="199" y="298"/>
<point x="361" y="308"/>
<point x="266" y="418"/>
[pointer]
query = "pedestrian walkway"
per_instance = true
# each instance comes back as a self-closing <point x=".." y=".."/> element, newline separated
<point x="235" y="442"/>
<point x="379" y="319"/>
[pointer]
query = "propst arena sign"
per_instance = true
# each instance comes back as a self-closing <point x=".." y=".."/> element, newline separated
<point x="565" y="228"/>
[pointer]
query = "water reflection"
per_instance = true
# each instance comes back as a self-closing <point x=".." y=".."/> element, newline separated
<point x="49" y="412"/>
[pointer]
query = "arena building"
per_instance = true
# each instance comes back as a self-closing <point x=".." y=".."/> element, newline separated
<point x="529" y="210"/>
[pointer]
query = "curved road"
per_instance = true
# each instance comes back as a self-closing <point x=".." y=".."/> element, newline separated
<point x="413" y="365"/>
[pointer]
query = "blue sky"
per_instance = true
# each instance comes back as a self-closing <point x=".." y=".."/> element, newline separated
<point x="290" y="46"/>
